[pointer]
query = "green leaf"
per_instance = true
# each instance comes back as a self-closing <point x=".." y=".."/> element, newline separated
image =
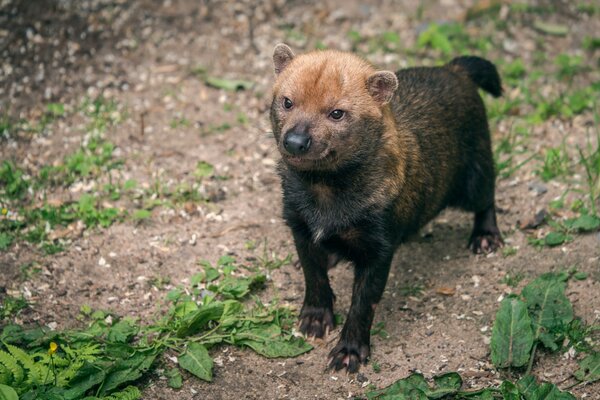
<point x="228" y="84"/>
<point x="580" y="275"/>
<point x="415" y="387"/>
<point x="531" y="390"/>
<point x="198" y="320"/>
<point x="37" y="372"/>
<point x="589" y="368"/>
<point x="175" y="380"/>
<point x="550" y="309"/>
<point x="88" y="376"/>
<point x="231" y="313"/>
<point x="5" y="240"/>
<point x="445" y="384"/>
<point x="141" y="214"/>
<point x="185" y="308"/>
<point x="555" y="239"/>
<point x="550" y="28"/>
<point x="204" y="170"/>
<point x="13" y="366"/>
<point x="197" y="361"/>
<point x="128" y="370"/>
<point x="584" y="223"/>
<point x="512" y="336"/>
<point x="8" y="393"/>
<point x="210" y="273"/>
<point x="509" y="391"/>
<point x="278" y="347"/>
<point x="527" y="386"/>
<point x="122" y="331"/>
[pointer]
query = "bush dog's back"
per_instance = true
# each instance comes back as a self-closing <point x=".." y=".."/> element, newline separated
<point x="368" y="158"/>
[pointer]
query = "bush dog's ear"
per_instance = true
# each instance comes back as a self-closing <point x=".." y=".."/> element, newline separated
<point x="382" y="85"/>
<point x="282" y="56"/>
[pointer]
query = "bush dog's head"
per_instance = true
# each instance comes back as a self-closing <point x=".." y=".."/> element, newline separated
<point x="328" y="107"/>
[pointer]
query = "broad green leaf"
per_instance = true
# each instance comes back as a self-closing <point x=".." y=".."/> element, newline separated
<point x="549" y="391"/>
<point x="5" y="240"/>
<point x="444" y="384"/>
<point x="551" y="28"/>
<point x="203" y="170"/>
<point x="185" y="308"/>
<point x="510" y="391"/>
<point x="88" y="376"/>
<point x="527" y="386"/>
<point x="231" y="313"/>
<point x="550" y="309"/>
<point x="555" y="239"/>
<point x="8" y="393"/>
<point x="415" y="387"/>
<point x="589" y="368"/>
<point x="210" y="273"/>
<point x="531" y="390"/>
<point x="128" y="370"/>
<point x="584" y="223"/>
<point x="228" y="84"/>
<point x="197" y="361"/>
<point x="278" y="347"/>
<point x="512" y="336"/>
<point x="175" y="380"/>
<point x="141" y="214"/>
<point x="483" y="394"/>
<point x="196" y="321"/>
<point x="122" y="331"/>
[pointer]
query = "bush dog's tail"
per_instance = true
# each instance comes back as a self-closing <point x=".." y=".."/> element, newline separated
<point x="481" y="71"/>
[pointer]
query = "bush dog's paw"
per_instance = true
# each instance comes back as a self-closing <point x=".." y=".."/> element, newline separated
<point x="349" y="355"/>
<point x="485" y="243"/>
<point x="316" y="321"/>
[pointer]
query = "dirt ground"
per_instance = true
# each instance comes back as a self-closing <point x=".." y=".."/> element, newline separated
<point x="143" y="54"/>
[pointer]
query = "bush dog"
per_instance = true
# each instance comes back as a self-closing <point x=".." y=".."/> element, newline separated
<point x="367" y="158"/>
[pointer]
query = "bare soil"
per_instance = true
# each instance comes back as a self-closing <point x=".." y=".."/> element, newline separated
<point x="143" y="55"/>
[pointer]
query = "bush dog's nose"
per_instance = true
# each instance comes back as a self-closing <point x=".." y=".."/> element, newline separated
<point x="296" y="142"/>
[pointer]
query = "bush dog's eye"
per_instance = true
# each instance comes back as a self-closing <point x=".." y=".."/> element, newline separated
<point x="336" y="114"/>
<point x="287" y="103"/>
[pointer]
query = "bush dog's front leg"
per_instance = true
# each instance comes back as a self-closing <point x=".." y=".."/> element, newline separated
<point x="316" y="316"/>
<point x="354" y="346"/>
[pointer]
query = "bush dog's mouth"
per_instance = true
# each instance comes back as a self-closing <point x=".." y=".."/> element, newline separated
<point x="306" y="163"/>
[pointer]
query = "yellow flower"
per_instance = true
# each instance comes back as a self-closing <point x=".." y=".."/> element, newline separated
<point x="53" y="348"/>
<point x="4" y="211"/>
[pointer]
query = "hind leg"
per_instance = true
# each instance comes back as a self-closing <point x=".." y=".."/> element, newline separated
<point x="486" y="236"/>
<point x="477" y="195"/>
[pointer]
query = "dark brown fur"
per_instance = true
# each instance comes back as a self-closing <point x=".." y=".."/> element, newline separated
<point x="408" y="145"/>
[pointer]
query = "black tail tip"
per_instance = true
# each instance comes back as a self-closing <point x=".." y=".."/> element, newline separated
<point x="481" y="71"/>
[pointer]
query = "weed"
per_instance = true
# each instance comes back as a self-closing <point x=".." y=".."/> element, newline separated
<point x="513" y="279"/>
<point x="555" y="163"/>
<point x="412" y="290"/>
<point x="376" y="366"/>
<point x="506" y="150"/>
<point x="179" y="122"/>
<point x="508" y="251"/>
<point x="111" y="352"/>
<point x="448" y="39"/>
<point x="379" y="330"/>
<point x="13" y="181"/>
<point x="589" y="157"/>
<point x="11" y="306"/>
<point x="568" y="66"/>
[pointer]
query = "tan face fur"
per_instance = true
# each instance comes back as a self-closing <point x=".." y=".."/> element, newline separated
<point x="316" y="84"/>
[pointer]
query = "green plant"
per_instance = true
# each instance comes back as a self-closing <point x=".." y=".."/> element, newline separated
<point x="110" y="353"/>
<point x="11" y="306"/>
<point x="555" y="163"/>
